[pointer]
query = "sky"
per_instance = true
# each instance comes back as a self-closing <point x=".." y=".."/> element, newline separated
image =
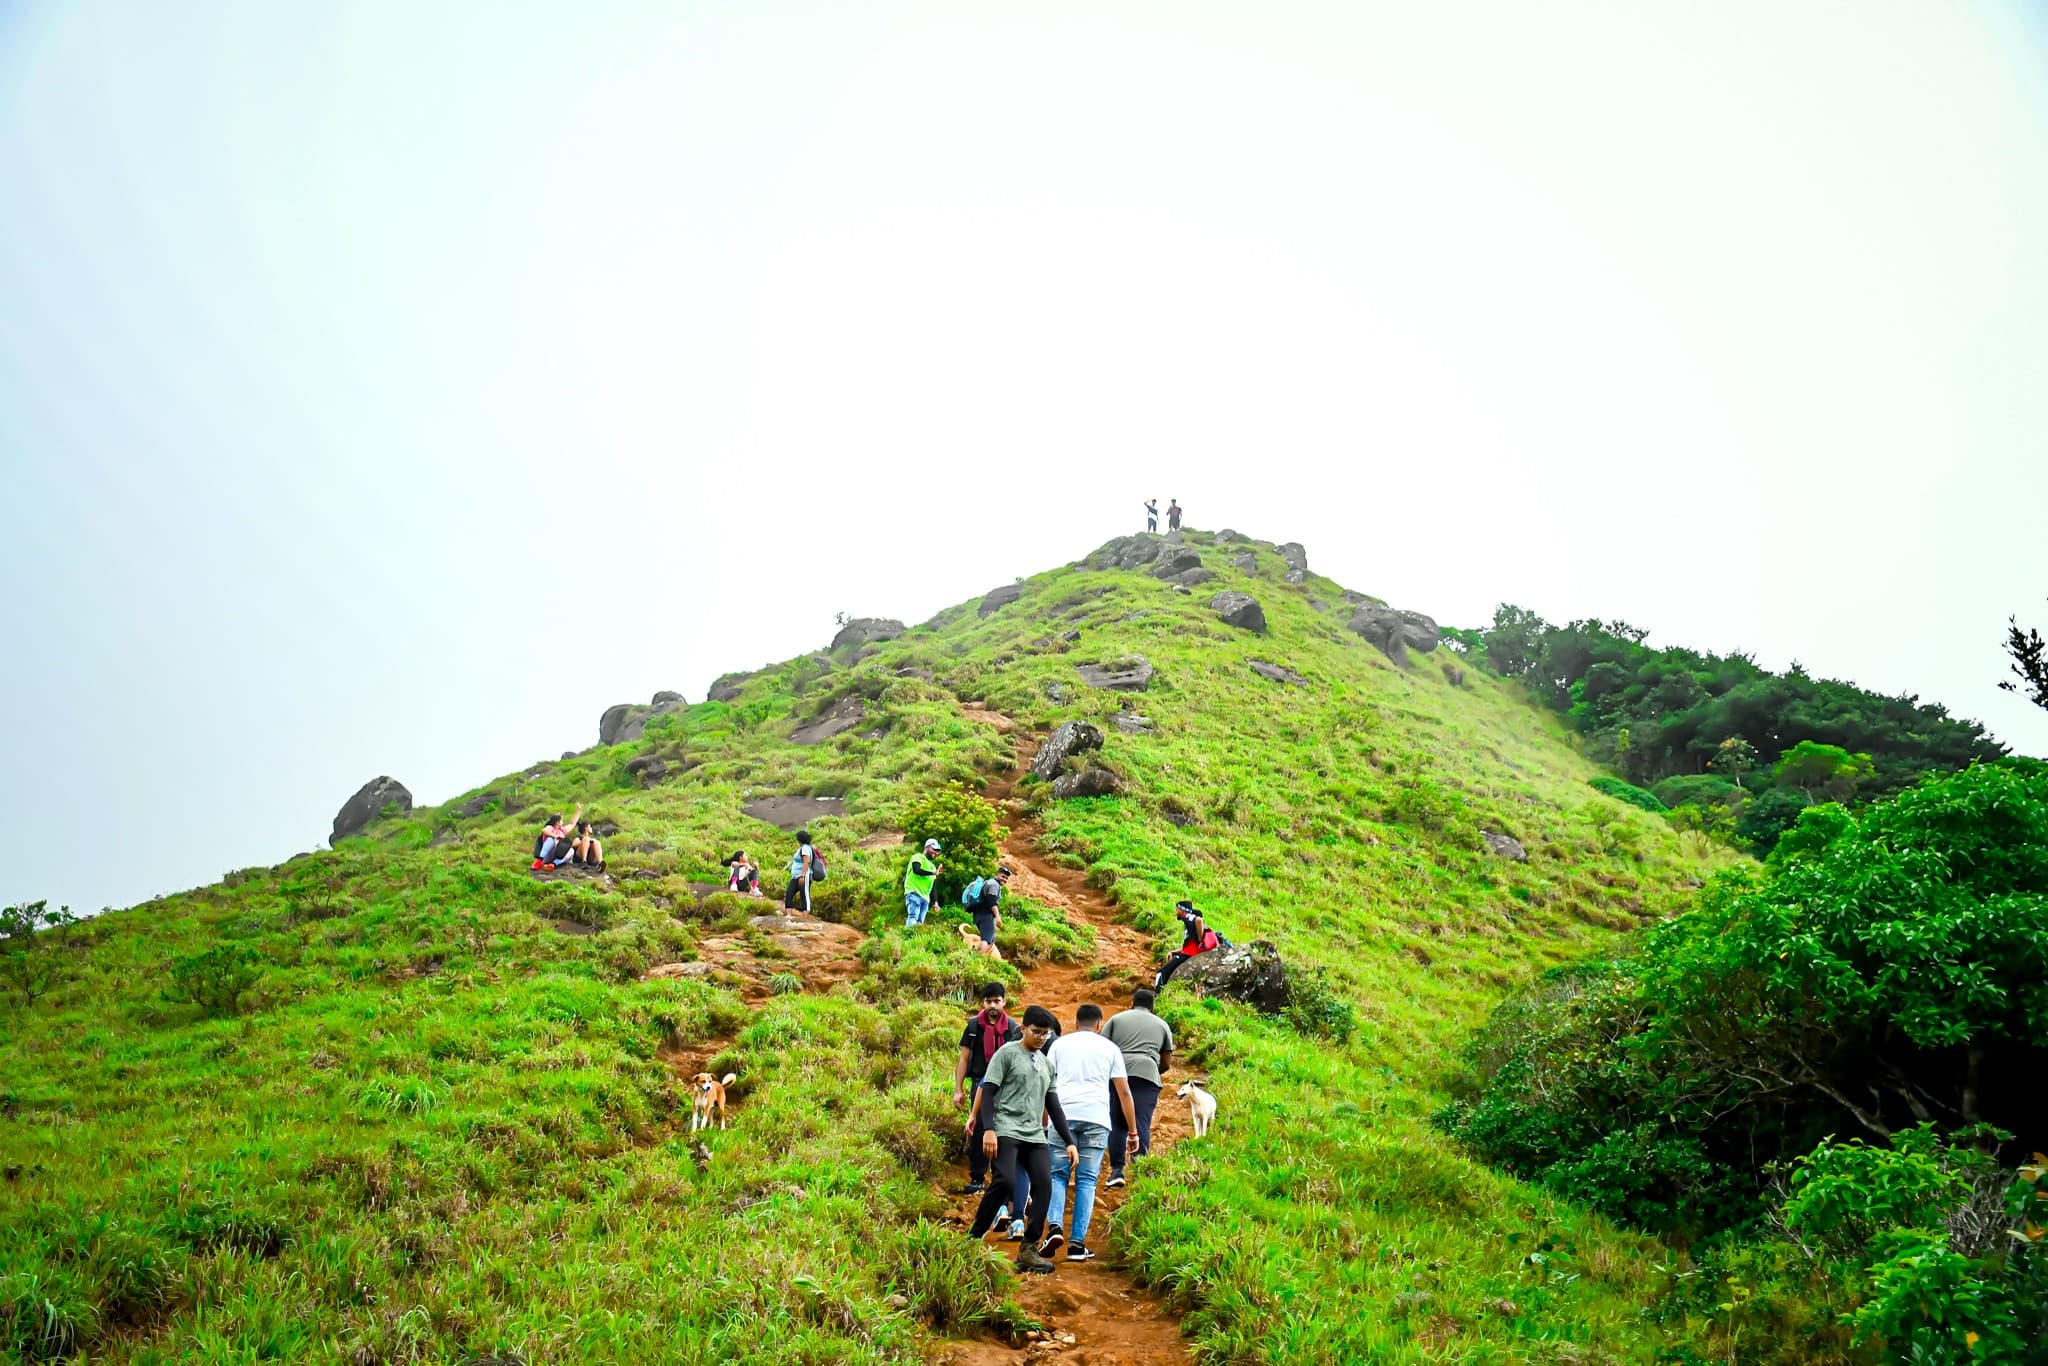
<point x="389" y="388"/>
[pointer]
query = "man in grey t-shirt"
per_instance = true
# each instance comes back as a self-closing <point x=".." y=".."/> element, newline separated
<point x="1147" y="1042"/>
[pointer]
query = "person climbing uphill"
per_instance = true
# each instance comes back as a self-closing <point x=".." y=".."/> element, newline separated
<point x="1092" y="1081"/>
<point x="1173" y="514"/>
<point x="553" y="848"/>
<point x="1147" y="1044"/>
<point x="806" y="866"/>
<point x="988" y="1029"/>
<point x="1019" y="1092"/>
<point x="1196" y="938"/>
<point x="984" y="898"/>
<point x="918" y="878"/>
<point x="587" y="849"/>
<point x="1151" y="514"/>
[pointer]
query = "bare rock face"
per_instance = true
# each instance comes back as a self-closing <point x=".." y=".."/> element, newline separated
<point x="1130" y="723"/>
<point x="1241" y="610"/>
<point x="726" y="688"/>
<point x="866" y="631"/>
<point x="1506" y="846"/>
<point x="1394" y="631"/>
<point x="1278" y="673"/>
<point x="794" y="813"/>
<point x="1124" y="675"/>
<point x="840" y="717"/>
<point x="368" y="804"/>
<point x="1250" y="972"/>
<point x="477" y="805"/>
<point x="999" y="598"/>
<point x="1068" y="738"/>
<point x="627" y="721"/>
<point x="1092" y="782"/>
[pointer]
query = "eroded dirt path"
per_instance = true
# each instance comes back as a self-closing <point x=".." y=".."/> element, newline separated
<point x="1094" y="1314"/>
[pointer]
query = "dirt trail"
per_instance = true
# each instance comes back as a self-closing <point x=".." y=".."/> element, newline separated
<point x="1095" y="1315"/>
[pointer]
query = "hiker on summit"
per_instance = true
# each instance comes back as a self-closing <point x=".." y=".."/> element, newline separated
<point x="918" y="878"/>
<point x="806" y="866"/>
<point x="1173" y="514"/>
<point x="984" y="898"/>
<point x="1018" y="1090"/>
<point x="1151" y="514"/>
<point x="553" y="847"/>
<point x="1196" y="938"/>
<point x="1090" y="1075"/>
<point x="1147" y="1044"/>
<point x="988" y="1029"/>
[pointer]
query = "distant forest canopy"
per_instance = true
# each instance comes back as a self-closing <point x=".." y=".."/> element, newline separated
<point x="1719" y="732"/>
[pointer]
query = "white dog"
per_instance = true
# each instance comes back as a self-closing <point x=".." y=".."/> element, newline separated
<point x="1201" y="1106"/>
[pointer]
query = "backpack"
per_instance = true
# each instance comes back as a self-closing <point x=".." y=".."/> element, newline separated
<point x="971" y="896"/>
<point x="817" y="865"/>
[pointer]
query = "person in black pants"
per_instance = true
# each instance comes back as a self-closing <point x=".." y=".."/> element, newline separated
<point x="1018" y="1090"/>
<point x="1147" y="1042"/>
<point x="988" y="1029"/>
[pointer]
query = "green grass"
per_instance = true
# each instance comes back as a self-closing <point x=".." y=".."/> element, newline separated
<point x="440" y="1123"/>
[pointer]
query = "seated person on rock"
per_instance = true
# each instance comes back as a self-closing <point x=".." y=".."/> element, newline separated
<point x="587" y="849"/>
<point x="743" y="875"/>
<point x="554" y="847"/>
<point x="1196" y="938"/>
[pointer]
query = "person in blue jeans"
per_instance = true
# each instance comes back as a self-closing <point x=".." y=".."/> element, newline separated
<point x="918" y="878"/>
<point x="1089" y="1074"/>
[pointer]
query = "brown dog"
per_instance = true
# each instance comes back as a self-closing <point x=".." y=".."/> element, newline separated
<point x="707" y="1093"/>
<point x="973" y="940"/>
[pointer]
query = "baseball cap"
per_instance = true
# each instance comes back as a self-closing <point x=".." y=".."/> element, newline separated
<point x="932" y="845"/>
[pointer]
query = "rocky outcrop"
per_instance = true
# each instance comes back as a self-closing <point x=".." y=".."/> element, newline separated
<point x="999" y="598"/>
<point x="476" y="806"/>
<point x="1128" y="552"/>
<point x="1130" y="723"/>
<point x="1394" y="631"/>
<point x="666" y="698"/>
<point x="1123" y="675"/>
<point x="1453" y="675"/>
<point x="646" y="769"/>
<point x="1297" y="561"/>
<point x="1090" y="782"/>
<point x="1226" y="536"/>
<point x="866" y="631"/>
<point x="1278" y="673"/>
<point x="1505" y="846"/>
<point x="1247" y="563"/>
<point x="1176" y="563"/>
<point x="840" y="717"/>
<point x="1067" y="739"/>
<point x="1241" y="610"/>
<point x="726" y="688"/>
<point x="1190" y="578"/>
<point x="794" y="813"/>
<point x="368" y="804"/>
<point x="1252" y="972"/>
<point x="627" y="721"/>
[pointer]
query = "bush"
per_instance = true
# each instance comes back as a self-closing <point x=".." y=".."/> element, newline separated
<point x="25" y="934"/>
<point x="1696" y="789"/>
<point x="1314" y="1008"/>
<point x="1626" y="792"/>
<point x="969" y="834"/>
<point x="215" y="980"/>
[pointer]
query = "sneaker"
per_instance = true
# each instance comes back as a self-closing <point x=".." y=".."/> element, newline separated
<point x="1002" y="1214"/>
<point x="1077" y="1252"/>
<point x="1016" y="1230"/>
<point x="1049" y="1246"/>
<point x="1030" y="1262"/>
<point x="538" y="865"/>
<point x="974" y="1188"/>
<point x="1115" y="1179"/>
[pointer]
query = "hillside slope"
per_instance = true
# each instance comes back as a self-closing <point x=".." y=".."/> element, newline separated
<point x="433" y="1112"/>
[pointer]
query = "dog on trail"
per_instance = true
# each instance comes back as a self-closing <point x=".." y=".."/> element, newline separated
<point x="1201" y="1106"/>
<point x="973" y="940"/>
<point x="707" y="1093"/>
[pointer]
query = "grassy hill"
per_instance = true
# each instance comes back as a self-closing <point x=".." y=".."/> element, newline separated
<point x="431" y="1112"/>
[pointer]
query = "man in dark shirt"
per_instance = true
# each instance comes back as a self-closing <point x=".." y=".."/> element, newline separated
<point x="987" y="1030"/>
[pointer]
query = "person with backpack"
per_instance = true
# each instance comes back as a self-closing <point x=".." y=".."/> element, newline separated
<point x="806" y="866"/>
<point x="1196" y="938"/>
<point x="1173" y="514"/>
<point x="988" y="1029"/>
<point x="983" y="898"/>
<point x="553" y="847"/>
<point x="1151" y="514"/>
<point x="1019" y="1094"/>
<point x="1147" y="1044"/>
<point x="918" y="878"/>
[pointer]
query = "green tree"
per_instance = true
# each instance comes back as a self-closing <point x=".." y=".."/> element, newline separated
<point x="30" y="934"/>
<point x="1733" y="757"/>
<point x="969" y="833"/>
<point x="1823" y="772"/>
<point x="2029" y="655"/>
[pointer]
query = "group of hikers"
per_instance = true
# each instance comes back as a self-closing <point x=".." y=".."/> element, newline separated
<point x="1096" y="1088"/>
<point x="562" y="843"/>
<point x="1172" y="514"/>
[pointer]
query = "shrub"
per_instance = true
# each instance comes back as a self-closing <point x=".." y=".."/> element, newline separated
<point x="969" y="835"/>
<point x="1626" y="792"/>
<point x="25" y="933"/>
<point x="1696" y="789"/>
<point x="1314" y="1008"/>
<point x="215" y="980"/>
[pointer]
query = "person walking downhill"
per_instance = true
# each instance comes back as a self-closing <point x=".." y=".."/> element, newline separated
<point x="988" y="1029"/>
<point x="803" y="870"/>
<point x="1173" y="514"/>
<point x="918" y="878"/>
<point x="1019" y="1092"/>
<point x="984" y="897"/>
<point x="1146" y="1042"/>
<point x="1151" y="514"/>
<point x="1090" y="1075"/>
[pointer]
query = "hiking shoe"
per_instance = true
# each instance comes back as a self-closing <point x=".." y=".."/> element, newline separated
<point x="1016" y="1230"/>
<point x="974" y="1188"/>
<point x="538" y="865"/>
<point x="1049" y="1246"/>
<point x="1115" y="1179"/>
<point x="1078" y="1252"/>
<point x="1030" y="1262"/>
<point x="1003" y="1213"/>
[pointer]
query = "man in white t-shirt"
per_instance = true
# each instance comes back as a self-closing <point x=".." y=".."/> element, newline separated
<point x="1088" y="1069"/>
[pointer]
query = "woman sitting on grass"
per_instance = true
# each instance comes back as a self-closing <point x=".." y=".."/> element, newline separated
<point x="587" y="848"/>
<point x="554" y="847"/>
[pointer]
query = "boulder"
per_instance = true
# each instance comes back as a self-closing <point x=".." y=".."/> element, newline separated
<point x="794" y="813"/>
<point x="627" y="722"/>
<point x="1130" y="723"/>
<point x="840" y="717"/>
<point x="866" y="631"/>
<point x="1127" y="552"/>
<point x="1124" y="675"/>
<point x="368" y="804"/>
<point x="1067" y="738"/>
<point x="1241" y="610"/>
<point x="1297" y="560"/>
<point x="823" y="664"/>
<point x="1189" y="578"/>
<point x="1245" y="972"/>
<point x="1000" y="597"/>
<point x="476" y="806"/>
<point x="1278" y="673"/>
<point x="1453" y="675"/>
<point x="1394" y="631"/>
<point x="1069" y="637"/>
<point x="1057" y="692"/>
<point x="1175" y="564"/>
<point x="1506" y="846"/>
<point x="604" y="830"/>
<point x="1247" y="563"/>
<point x="1226" y="536"/>
<point x="1091" y="782"/>
<point x="646" y="769"/>
<point x="665" y="698"/>
<point x="726" y="688"/>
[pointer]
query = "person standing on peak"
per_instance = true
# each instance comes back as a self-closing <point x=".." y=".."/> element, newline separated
<point x="1147" y="1045"/>
<point x="1151" y="514"/>
<point x="1090" y="1075"/>
<point x="1019" y="1091"/>
<point x="803" y="869"/>
<point x="1173" y="514"/>
<point x="924" y="870"/>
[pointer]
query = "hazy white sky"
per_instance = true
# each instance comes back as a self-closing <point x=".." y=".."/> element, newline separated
<point x="391" y="387"/>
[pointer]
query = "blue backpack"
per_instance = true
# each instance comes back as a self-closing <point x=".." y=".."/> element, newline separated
<point x="970" y="896"/>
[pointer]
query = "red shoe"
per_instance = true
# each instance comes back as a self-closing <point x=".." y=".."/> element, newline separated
<point x="538" y="865"/>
